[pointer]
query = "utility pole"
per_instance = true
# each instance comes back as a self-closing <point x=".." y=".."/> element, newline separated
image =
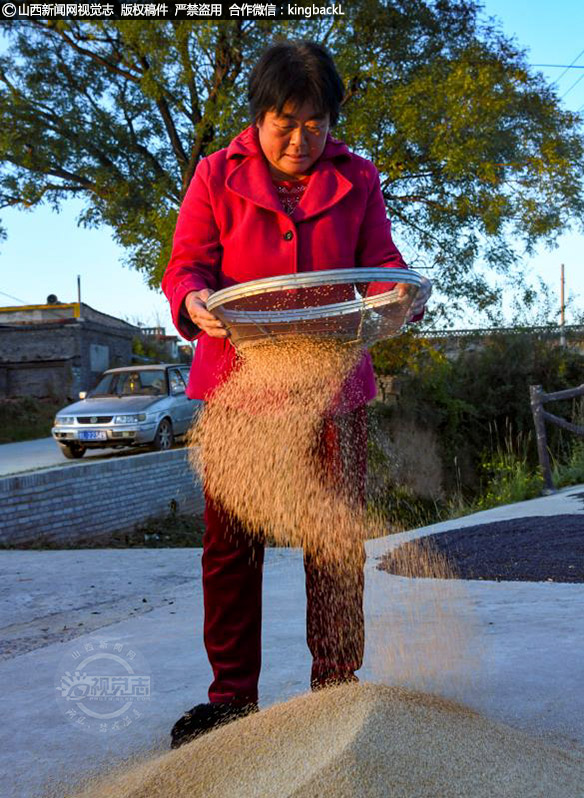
<point x="80" y="317"/>
<point x="562" y="308"/>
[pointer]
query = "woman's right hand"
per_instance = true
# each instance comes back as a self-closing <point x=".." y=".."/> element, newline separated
<point x="196" y="308"/>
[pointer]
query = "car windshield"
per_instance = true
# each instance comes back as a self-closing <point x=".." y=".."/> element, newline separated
<point x="131" y="383"/>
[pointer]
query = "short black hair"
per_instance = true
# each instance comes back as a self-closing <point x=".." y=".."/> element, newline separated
<point x="295" y="71"/>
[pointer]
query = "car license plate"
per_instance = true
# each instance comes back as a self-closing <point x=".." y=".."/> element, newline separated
<point x="93" y="435"/>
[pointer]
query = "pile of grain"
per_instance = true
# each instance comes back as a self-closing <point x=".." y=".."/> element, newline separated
<point x="364" y="740"/>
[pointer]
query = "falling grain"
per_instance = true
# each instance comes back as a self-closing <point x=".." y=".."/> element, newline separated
<point x="258" y="440"/>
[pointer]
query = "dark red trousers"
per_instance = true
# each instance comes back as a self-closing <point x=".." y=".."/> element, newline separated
<point x="232" y="584"/>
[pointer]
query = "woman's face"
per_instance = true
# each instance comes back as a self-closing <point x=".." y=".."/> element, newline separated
<point x="293" y="140"/>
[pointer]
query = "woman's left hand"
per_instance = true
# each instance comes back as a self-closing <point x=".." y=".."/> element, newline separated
<point x="422" y="296"/>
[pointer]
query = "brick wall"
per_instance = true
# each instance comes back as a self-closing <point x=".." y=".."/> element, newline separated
<point x="36" y="342"/>
<point x="54" y="359"/>
<point x="91" y="499"/>
<point x="52" y="378"/>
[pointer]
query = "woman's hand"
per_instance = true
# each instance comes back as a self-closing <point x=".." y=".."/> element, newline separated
<point x="196" y="308"/>
<point x="422" y="296"/>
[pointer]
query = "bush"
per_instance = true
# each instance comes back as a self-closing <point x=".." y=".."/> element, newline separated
<point x="572" y="471"/>
<point x="509" y="477"/>
<point x="474" y="404"/>
<point x="472" y="401"/>
<point x="26" y="418"/>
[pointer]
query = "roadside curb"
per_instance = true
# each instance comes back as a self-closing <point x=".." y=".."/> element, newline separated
<point x="59" y="505"/>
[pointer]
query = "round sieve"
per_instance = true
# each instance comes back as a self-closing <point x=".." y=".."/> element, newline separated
<point x="359" y="304"/>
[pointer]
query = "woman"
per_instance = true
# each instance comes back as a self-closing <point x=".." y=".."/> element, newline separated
<point x="283" y="197"/>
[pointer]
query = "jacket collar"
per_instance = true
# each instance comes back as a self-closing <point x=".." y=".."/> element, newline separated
<point x="251" y="177"/>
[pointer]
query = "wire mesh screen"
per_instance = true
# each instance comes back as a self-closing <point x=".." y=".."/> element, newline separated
<point x="360" y="304"/>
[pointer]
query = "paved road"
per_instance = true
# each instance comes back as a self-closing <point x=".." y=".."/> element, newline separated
<point x="44" y="452"/>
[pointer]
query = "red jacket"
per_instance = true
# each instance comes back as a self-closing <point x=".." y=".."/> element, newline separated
<point x="231" y="228"/>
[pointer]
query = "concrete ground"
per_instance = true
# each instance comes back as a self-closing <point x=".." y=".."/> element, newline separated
<point x="44" y="452"/>
<point x="513" y="651"/>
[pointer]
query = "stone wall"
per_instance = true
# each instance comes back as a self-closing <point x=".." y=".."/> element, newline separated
<point x="50" y="378"/>
<point x="92" y="499"/>
<point x="37" y="342"/>
<point x="60" y="359"/>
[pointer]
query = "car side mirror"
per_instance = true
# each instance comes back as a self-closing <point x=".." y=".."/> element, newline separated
<point x="177" y="391"/>
<point x="82" y="394"/>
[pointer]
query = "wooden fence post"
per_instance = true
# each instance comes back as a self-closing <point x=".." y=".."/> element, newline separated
<point x="536" y="395"/>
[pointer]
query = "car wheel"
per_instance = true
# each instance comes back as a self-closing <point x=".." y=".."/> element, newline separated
<point x="164" y="437"/>
<point x="72" y="451"/>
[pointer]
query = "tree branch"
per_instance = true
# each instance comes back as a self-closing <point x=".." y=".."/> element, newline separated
<point x="183" y="51"/>
<point x="87" y="53"/>
<point x="169" y="125"/>
<point x="9" y="202"/>
<point x="228" y="62"/>
<point x="159" y="170"/>
<point x="420" y="198"/>
<point x="326" y="36"/>
<point x="67" y="175"/>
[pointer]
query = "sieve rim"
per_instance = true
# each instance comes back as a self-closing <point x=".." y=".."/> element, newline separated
<point x="307" y="314"/>
<point x="311" y="280"/>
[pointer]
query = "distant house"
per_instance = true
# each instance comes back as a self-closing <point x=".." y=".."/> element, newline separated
<point x="169" y="344"/>
<point x="59" y="349"/>
<point x="186" y="351"/>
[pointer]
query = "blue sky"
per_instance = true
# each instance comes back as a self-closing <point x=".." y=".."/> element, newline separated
<point x="46" y="251"/>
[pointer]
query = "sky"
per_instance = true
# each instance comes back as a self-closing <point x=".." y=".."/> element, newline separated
<point x="45" y="251"/>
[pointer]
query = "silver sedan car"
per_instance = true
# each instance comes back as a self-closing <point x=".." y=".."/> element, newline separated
<point x="132" y="406"/>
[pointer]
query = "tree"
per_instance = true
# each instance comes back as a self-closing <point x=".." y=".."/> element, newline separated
<point x="473" y="147"/>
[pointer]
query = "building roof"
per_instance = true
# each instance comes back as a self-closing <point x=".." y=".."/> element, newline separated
<point x="60" y="313"/>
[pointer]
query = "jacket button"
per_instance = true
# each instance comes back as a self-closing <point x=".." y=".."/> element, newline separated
<point x="288" y="235"/>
